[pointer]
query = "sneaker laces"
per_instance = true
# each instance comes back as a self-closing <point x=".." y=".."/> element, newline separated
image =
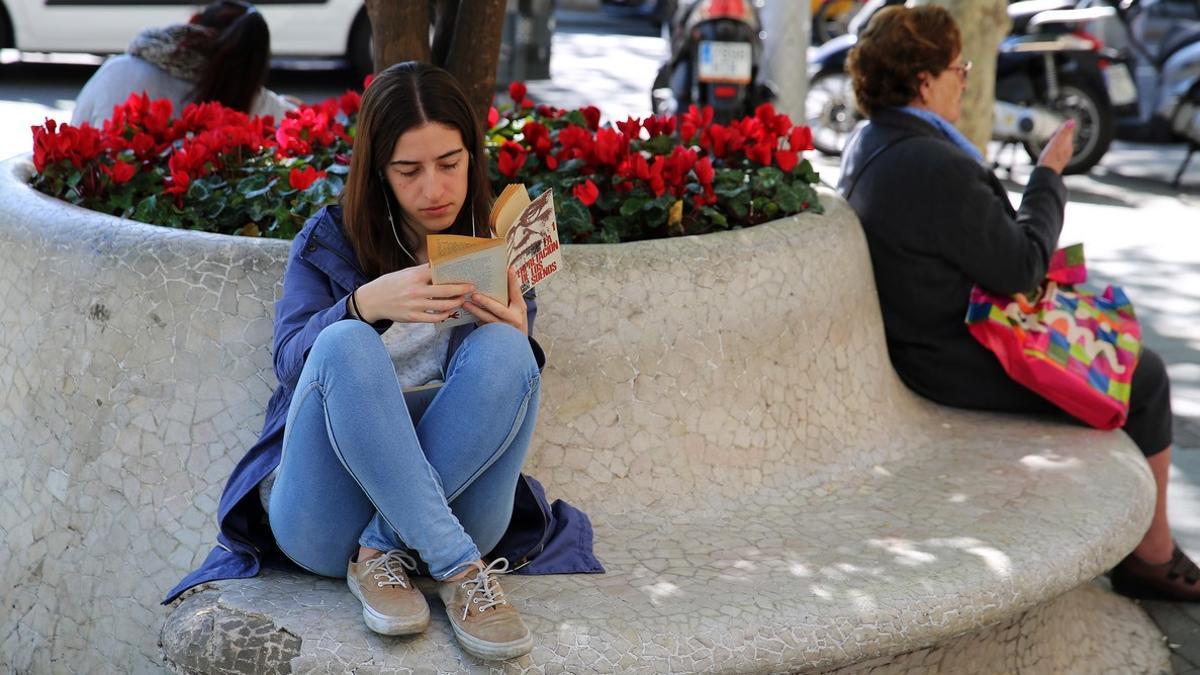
<point x="390" y="568"/>
<point x="484" y="590"/>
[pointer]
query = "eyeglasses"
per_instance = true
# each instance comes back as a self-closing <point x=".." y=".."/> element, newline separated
<point x="962" y="70"/>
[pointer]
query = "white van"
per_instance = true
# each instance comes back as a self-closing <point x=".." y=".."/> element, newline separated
<point x="299" y="28"/>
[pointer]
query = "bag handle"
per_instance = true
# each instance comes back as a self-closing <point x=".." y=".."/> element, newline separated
<point x="1067" y="266"/>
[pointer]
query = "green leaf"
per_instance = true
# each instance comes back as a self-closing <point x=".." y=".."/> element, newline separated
<point x="660" y="145"/>
<point x="788" y="199"/>
<point x="716" y="217"/>
<point x="766" y="179"/>
<point x="571" y="209"/>
<point x="632" y="206"/>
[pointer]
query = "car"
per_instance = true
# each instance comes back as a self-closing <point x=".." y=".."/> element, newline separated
<point x="299" y="28"/>
<point x="661" y="11"/>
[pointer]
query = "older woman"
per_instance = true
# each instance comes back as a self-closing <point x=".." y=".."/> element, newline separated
<point x="938" y="221"/>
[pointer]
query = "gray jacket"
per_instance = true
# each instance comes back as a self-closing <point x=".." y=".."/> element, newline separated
<point x="123" y="75"/>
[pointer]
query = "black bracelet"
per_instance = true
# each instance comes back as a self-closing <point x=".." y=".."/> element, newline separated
<point x="354" y="303"/>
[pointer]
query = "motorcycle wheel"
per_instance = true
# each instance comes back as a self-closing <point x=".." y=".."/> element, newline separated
<point x="1095" y="124"/>
<point x="832" y="19"/>
<point x="831" y="112"/>
<point x="662" y="99"/>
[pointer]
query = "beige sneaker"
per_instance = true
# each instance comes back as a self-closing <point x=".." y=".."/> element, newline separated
<point x="391" y="604"/>
<point x="485" y="623"/>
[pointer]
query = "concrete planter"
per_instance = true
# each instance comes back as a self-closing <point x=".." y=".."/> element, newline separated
<point x="736" y="381"/>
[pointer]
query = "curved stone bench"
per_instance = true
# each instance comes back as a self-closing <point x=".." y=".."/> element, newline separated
<point x="767" y="495"/>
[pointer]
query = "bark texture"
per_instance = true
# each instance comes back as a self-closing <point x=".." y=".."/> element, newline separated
<point x="399" y="31"/>
<point x="465" y="40"/>
<point x="983" y="23"/>
<point x="475" y="50"/>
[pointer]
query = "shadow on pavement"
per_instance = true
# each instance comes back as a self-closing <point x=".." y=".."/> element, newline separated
<point x="1152" y="183"/>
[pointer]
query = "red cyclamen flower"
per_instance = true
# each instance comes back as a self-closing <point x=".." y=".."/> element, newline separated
<point x="587" y="192"/>
<point x="302" y="179"/>
<point x="512" y="158"/>
<point x="592" y="114"/>
<point x="787" y="159"/>
<point x="120" y="172"/>
<point x="517" y="91"/>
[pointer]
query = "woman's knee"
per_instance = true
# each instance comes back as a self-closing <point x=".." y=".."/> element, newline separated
<point x="347" y="344"/>
<point x="1150" y="379"/>
<point x="503" y="351"/>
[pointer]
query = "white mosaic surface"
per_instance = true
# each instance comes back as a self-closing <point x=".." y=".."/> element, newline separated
<point x="767" y="496"/>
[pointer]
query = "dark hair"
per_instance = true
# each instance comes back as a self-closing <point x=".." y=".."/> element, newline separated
<point x="238" y="57"/>
<point x="898" y="45"/>
<point x="403" y="97"/>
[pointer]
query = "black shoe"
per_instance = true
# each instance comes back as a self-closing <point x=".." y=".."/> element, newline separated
<point x="1177" y="580"/>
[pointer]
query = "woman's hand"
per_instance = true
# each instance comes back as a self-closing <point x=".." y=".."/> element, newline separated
<point x="1059" y="148"/>
<point x="487" y="310"/>
<point x="409" y="296"/>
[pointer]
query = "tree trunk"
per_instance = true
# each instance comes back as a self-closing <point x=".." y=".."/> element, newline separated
<point x="475" y="50"/>
<point x="983" y="23"/>
<point x="787" y="26"/>
<point x="399" y="31"/>
<point x="466" y="40"/>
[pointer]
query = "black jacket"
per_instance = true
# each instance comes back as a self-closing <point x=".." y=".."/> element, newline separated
<point x="936" y="223"/>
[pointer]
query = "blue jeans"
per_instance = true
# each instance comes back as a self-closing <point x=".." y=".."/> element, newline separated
<point x="357" y="470"/>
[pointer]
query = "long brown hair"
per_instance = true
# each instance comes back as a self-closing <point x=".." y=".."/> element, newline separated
<point x="239" y="57"/>
<point x="402" y="97"/>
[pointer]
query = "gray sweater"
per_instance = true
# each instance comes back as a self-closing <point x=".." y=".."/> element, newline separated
<point x="937" y="222"/>
<point x="123" y="75"/>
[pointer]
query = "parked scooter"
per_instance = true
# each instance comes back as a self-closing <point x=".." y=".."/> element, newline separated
<point x="1165" y="107"/>
<point x="716" y="59"/>
<point x="1044" y="77"/>
<point x="1049" y="71"/>
<point x="829" y="104"/>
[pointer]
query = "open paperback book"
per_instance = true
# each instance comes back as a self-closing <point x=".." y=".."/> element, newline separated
<point x="526" y="240"/>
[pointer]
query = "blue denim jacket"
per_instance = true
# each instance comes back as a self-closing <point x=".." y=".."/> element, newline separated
<point x="542" y="538"/>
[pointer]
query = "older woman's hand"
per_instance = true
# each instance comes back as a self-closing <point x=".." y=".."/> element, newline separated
<point x="1059" y="148"/>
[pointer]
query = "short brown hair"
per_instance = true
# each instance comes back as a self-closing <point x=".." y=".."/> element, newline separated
<point x="898" y="44"/>
<point x="402" y="97"/>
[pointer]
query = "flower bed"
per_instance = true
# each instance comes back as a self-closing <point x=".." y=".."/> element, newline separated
<point x="218" y="170"/>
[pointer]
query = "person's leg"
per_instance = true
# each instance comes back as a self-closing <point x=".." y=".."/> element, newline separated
<point x="494" y="374"/>
<point x="317" y="509"/>
<point x="476" y="432"/>
<point x="1149" y="425"/>
<point x="349" y="428"/>
<point x="1156" y="569"/>
<point x="1157" y="546"/>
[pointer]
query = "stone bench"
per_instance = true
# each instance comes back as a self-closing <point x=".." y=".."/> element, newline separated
<point x="767" y="496"/>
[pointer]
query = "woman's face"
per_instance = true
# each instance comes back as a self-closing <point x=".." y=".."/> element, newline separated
<point x="942" y="94"/>
<point x="428" y="175"/>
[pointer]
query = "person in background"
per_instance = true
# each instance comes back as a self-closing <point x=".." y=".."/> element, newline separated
<point x="222" y="55"/>
<point x="938" y="222"/>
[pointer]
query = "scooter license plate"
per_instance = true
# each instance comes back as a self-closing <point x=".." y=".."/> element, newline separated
<point x="1121" y="90"/>
<point x="729" y="62"/>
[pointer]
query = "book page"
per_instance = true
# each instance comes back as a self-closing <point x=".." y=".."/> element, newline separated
<point x="444" y="247"/>
<point x="484" y="267"/>
<point x="533" y="249"/>
<point x="508" y="207"/>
